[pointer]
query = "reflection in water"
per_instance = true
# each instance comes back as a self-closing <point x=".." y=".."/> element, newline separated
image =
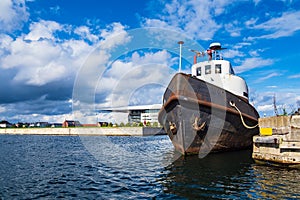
<point x="231" y="175"/>
<point x="276" y="183"/>
<point x="215" y="176"/>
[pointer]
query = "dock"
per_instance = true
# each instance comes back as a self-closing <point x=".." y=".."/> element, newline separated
<point x="86" y="131"/>
<point x="278" y="142"/>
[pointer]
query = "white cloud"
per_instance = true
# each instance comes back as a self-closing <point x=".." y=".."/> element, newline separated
<point x="38" y="62"/>
<point x="234" y="29"/>
<point x="285" y="25"/>
<point x="242" y="45"/>
<point x="251" y="22"/>
<point x="114" y="117"/>
<point x="192" y="17"/>
<point x="271" y="75"/>
<point x="30" y="118"/>
<point x="252" y="63"/>
<point x="85" y="33"/>
<point x="233" y="53"/>
<point x="272" y="86"/>
<point x="295" y="76"/>
<point x="94" y="65"/>
<point x="158" y="23"/>
<point x="55" y="9"/>
<point x="256" y="52"/>
<point x="43" y="30"/>
<point x="119" y="67"/>
<point x="265" y="108"/>
<point x="13" y="14"/>
<point x="40" y="76"/>
<point x="5" y="42"/>
<point x="22" y="53"/>
<point x="2" y="109"/>
<point x="126" y="78"/>
<point x="286" y="99"/>
<point x="113" y="35"/>
<point x="76" y="49"/>
<point x="41" y="56"/>
<point x="200" y="20"/>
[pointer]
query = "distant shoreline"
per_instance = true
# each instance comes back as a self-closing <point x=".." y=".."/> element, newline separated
<point x="86" y="131"/>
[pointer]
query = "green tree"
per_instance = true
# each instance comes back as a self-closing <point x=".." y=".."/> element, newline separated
<point x="284" y="112"/>
<point x="155" y="124"/>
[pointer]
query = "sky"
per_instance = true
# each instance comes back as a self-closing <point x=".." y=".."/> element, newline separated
<point x="63" y="59"/>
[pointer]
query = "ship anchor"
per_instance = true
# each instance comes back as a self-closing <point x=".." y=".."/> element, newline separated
<point x="173" y="128"/>
<point x="196" y="125"/>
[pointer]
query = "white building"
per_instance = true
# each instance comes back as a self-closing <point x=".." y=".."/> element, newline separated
<point x="5" y="124"/>
<point x="139" y="114"/>
<point x="150" y="116"/>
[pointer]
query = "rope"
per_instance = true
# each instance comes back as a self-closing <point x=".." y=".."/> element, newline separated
<point x="242" y="119"/>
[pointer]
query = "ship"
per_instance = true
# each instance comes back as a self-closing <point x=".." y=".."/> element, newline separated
<point x="208" y="110"/>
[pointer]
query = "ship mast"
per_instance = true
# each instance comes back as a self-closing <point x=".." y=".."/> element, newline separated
<point x="213" y="52"/>
<point x="180" y="54"/>
<point x="274" y="104"/>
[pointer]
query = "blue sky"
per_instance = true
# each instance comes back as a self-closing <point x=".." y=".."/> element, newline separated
<point x="64" y="59"/>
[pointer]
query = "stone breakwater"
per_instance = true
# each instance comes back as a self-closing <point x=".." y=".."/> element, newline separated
<point x="81" y="131"/>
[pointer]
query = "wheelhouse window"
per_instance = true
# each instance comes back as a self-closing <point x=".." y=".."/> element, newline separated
<point x="207" y="69"/>
<point x="218" y="69"/>
<point x="198" y="71"/>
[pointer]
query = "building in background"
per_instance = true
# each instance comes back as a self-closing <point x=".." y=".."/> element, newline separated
<point x="5" y="124"/>
<point x="139" y="114"/>
<point x="71" y="123"/>
<point x="149" y="116"/>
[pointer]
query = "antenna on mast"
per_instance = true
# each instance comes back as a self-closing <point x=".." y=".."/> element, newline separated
<point x="274" y="104"/>
<point x="180" y="48"/>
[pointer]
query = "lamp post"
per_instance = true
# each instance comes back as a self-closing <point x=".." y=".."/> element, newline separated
<point x="180" y="49"/>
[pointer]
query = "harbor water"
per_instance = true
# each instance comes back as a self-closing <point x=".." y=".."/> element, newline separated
<point x="99" y="167"/>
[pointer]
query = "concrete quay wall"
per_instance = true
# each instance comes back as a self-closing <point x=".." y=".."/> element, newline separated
<point x="82" y="131"/>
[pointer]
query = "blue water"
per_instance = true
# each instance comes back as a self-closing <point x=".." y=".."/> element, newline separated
<point x="48" y="167"/>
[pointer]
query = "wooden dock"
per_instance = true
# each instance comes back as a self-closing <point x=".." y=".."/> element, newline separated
<point x="278" y="142"/>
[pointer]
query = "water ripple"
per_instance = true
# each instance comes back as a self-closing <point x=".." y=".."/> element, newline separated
<point x="50" y="167"/>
